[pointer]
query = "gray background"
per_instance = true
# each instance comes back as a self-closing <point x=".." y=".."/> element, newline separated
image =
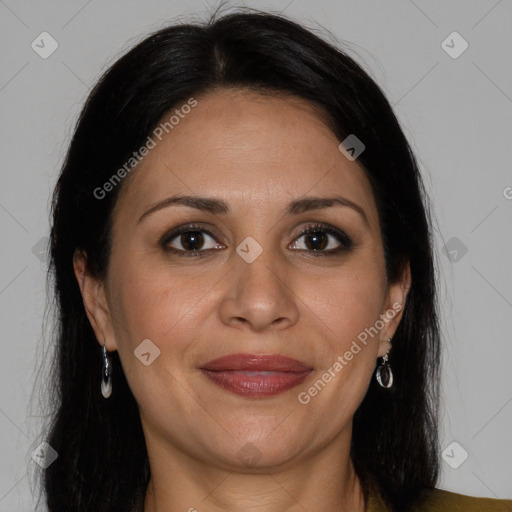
<point x="456" y="113"/>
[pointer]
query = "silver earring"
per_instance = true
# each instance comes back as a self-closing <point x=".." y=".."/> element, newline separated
<point x="384" y="374"/>
<point x="106" y="377"/>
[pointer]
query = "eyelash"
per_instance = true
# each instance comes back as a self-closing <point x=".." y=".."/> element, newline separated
<point x="342" y="238"/>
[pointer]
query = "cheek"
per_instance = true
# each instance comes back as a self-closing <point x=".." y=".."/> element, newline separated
<point x="346" y="348"/>
<point x="358" y="308"/>
<point x="345" y="303"/>
<point x="156" y="304"/>
<point x="154" y="301"/>
<point x="346" y="308"/>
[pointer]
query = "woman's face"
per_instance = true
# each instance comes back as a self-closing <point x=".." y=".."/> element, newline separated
<point x="245" y="281"/>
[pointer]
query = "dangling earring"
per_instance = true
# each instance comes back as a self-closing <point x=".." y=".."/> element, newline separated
<point x="106" y="377"/>
<point x="384" y="374"/>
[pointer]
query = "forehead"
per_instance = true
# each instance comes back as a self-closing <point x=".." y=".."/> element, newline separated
<point x="249" y="149"/>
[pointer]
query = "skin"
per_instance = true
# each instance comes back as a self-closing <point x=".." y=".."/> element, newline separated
<point x="256" y="153"/>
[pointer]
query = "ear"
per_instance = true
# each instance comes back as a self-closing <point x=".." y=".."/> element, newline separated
<point x="95" y="301"/>
<point x="394" y="307"/>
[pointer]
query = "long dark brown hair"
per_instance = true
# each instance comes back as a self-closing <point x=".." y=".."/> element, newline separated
<point x="103" y="463"/>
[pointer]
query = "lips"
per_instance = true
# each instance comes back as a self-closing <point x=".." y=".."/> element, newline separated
<point x="256" y="362"/>
<point x="254" y="375"/>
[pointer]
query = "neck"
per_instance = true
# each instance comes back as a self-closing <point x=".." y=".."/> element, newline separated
<point x="323" y="481"/>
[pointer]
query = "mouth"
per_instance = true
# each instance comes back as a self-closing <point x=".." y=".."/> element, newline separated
<point x="252" y="375"/>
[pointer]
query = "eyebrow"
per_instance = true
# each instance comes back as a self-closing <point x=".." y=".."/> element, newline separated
<point x="218" y="206"/>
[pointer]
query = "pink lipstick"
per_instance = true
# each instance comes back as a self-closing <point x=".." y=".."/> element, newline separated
<point x="256" y="375"/>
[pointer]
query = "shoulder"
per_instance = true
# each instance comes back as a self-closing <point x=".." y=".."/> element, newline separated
<point x="439" y="500"/>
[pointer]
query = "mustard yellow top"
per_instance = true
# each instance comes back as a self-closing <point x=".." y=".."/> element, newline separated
<point x="439" y="500"/>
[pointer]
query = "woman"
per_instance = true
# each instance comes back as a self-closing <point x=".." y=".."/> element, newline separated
<point x="242" y="261"/>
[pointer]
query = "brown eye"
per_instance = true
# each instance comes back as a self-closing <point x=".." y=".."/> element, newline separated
<point x="316" y="240"/>
<point x="190" y="239"/>
<point x="323" y="240"/>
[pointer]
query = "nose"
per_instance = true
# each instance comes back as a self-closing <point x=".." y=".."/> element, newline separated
<point x="259" y="295"/>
